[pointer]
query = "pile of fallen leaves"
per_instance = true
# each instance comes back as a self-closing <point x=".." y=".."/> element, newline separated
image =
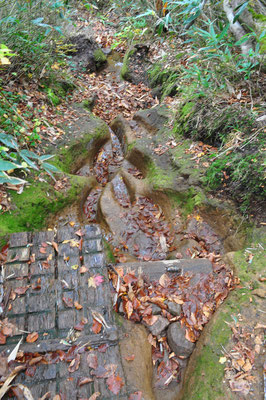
<point x="239" y="371"/>
<point x="146" y="217"/>
<point x="113" y="97"/>
<point x="136" y="294"/>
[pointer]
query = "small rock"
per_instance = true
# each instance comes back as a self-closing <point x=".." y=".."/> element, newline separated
<point x="174" y="309"/>
<point x="156" y="310"/>
<point x="160" y="325"/>
<point x="177" y="340"/>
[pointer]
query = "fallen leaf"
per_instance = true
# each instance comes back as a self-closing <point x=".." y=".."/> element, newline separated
<point x="55" y="246"/>
<point x="32" y="337"/>
<point x="95" y="281"/>
<point x="83" y="381"/>
<point x="2" y="338"/>
<point x="78" y="306"/>
<point x="96" y="327"/>
<point x="129" y="309"/>
<point x="115" y="384"/>
<point x="150" y="319"/>
<point x="72" y="223"/>
<point x="83" y="269"/>
<point x="12" y="356"/>
<point x="92" y="360"/>
<point x="95" y="395"/>
<point x="68" y="302"/>
<point x="164" y="280"/>
<point x="21" y="290"/>
<point x="74" y="365"/>
<point x="222" y="360"/>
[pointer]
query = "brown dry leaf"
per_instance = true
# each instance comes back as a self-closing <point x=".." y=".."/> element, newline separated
<point x="72" y="223"/>
<point x="68" y="302"/>
<point x="83" y="381"/>
<point x="190" y="336"/>
<point x="2" y="338"/>
<point x="95" y="395"/>
<point x="78" y="306"/>
<point x="150" y="319"/>
<point x="129" y="309"/>
<point x="55" y="246"/>
<point x="164" y="280"/>
<point x="247" y="366"/>
<point x="115" y="384"/>
<point x="152" y="340"/>
<point x="32" y="337"/>
<point x="21" y="290"/>
<point x="96" y="327"/>
<point x="74" y="365"/>
<point x="35" y="360"/>
<point x="92" y="360"/>
<point x="7" y="330"/>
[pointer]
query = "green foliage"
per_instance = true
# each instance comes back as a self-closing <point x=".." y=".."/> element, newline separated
<point x="30" y="29"/>
<point x="5" y="53"/>
<point x="12" y="157"/>
<point x="16" y="142"/>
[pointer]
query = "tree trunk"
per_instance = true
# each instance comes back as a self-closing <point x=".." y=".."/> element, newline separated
<point x="236" y="28"/>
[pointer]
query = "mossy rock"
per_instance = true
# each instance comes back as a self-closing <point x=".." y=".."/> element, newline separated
<point x="125" y="70"/>
<point x="164" y="81"/>
<point x="208" y="120"/>
<point x="31" y="209"/>
<point x="100" y="58"/>
<point x="81" y="141"/>
<point x="136" y="64"/>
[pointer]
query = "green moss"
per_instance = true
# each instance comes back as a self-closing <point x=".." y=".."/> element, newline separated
<point x="108" y="252"/>
<point x="37" y="203"/>
<point x="158" y="177"/>
<point x="77" y="151"/>
<point x="52" y="97"/>
<point x="99" y="57"/>
<point x="125" y="71"/>
<point x="187" y="201"/>
<point x="165" y="78"/>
